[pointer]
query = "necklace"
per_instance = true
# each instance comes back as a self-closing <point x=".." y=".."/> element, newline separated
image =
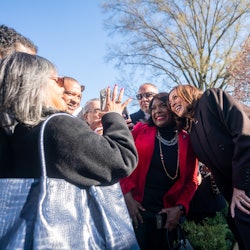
<point x="171" y="142"/>
<point x="162" y="156"/>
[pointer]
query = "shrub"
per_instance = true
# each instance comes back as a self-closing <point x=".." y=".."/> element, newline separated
<point x="213" y="234"/>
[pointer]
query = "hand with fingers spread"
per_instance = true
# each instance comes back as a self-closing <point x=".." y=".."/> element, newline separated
<point x="134" y="208"/>
<point x="241" y="201"/>
<point x="114" y="100"/>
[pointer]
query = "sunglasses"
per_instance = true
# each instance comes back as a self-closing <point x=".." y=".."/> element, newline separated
<point x="146" y="95"/>
<point x="60" y="82"/>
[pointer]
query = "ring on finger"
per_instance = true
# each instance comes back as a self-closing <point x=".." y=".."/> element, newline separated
<point x="118" y="101"/>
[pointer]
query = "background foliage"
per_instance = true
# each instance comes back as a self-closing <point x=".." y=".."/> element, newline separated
<point x="176" y="41"/>
<point x="214" y="234"/>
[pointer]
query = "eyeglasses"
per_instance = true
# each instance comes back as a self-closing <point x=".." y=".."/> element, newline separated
<point x="95" y="111"/>
<point x="146" y="95"/>
<point x="58" y="80"/>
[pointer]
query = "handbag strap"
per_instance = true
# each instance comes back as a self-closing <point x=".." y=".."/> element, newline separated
<point x="181" y="234"/>
<point x="41" y="143"/>
<point x="181" y="238"/>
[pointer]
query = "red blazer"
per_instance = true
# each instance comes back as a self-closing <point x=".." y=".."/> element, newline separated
<point x="183" y="189"/>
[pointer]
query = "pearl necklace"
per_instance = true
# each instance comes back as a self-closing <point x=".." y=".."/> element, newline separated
<point x="172" y="142"/>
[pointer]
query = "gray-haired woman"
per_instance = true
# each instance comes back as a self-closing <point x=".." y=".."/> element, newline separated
<point x="30" y="91"/>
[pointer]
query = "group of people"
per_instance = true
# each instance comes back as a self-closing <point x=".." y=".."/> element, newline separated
<point x="219" y="130"/>
<point x="31" y="91"/>
<point x="175" y="125"/>
<point x="157" y="162"/>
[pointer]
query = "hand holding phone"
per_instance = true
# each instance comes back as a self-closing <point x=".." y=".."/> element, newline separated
<point x="113" y="101"/>
<point x="125" y="114"/>
<point x="161" y="220"/>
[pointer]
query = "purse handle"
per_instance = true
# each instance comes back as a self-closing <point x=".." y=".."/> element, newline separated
<point x="41" y="143"/>
<point x="182" y="242"/>
<point x="181" y="235"/>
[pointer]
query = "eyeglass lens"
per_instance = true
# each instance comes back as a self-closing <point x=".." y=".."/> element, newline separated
<point x="146" y="95"/>
<point x="94" y="111"/>
<point x="58" y="80"/>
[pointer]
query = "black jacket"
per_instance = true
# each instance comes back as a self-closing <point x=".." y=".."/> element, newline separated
<point x="137" y="116"/>
<point x="220" y="137"/>
<point x="74" y="152"/>
<point x="5" y="153"/>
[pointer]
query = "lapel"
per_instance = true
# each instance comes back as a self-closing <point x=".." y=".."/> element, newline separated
<point x="199" y="139"/>
<point x="182" y="151"/>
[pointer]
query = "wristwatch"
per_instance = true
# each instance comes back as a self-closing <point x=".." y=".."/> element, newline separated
<point x="182" y="209"/>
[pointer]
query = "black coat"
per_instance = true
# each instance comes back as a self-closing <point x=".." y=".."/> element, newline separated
<point x="137" y="116"/>
<point x="5" y="153"/>
<point x="74" y="152"/>
<point x="220" y="137"/>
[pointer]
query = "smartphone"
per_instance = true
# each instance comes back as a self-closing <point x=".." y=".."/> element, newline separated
<point x="125" y="113"/>
<point x="103" y="96"/>
<point x="161" y="220"/>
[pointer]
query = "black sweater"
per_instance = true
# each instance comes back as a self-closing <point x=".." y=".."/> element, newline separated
<point x="74" y="152"/>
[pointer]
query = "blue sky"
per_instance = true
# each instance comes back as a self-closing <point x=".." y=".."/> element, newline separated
<point x="68" y="33"/>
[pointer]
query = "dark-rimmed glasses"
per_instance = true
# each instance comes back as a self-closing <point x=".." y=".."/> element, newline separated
<point x="59" y="80"/>
<point x="146" y="95"/>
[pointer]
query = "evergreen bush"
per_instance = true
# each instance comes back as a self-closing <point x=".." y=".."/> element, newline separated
<point x="213" y="234"/>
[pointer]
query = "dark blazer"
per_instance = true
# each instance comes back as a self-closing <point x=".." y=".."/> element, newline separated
<point x="220" y="137"/>
<point x="137" y="116"/>
<point x="76" y="153"/>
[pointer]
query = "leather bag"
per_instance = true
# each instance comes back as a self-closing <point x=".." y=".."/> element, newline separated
<point x="49" y="213"/>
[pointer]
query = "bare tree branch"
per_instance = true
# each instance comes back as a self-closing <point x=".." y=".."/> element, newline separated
<point x="188" y="41"/>
<point x="239" y="71"/>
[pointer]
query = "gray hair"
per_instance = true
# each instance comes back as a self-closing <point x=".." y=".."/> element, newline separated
<point x="87" y="105"/>
<point x="149" y="84"/>
<point x="23" y="86"/>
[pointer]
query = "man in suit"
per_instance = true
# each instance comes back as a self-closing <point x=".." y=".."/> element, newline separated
<point x="144" y="96"/>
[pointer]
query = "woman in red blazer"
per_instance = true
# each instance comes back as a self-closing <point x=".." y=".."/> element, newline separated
<point x="165" y="177"/>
